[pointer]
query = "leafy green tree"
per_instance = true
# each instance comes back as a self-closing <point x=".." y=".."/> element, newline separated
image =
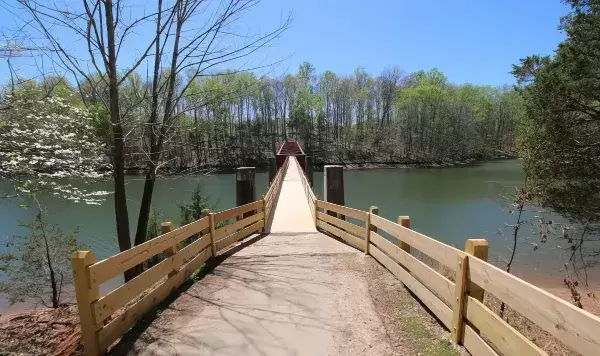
<point x="192" y="210"/>
<point x="559" y="135"/>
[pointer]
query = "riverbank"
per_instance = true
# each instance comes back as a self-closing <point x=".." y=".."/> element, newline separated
<point x="348" y="164"/>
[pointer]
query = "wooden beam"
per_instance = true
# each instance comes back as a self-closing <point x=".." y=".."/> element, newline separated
<point x="87" y="294"/>
<point x="458" y="304"/>
<point x="479" y="249"/>
<point x="404" y="221"/>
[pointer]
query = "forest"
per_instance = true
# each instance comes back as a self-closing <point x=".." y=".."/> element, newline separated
<point x="231" y="118"/>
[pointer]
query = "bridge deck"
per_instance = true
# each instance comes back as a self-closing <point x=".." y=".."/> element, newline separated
<point x="292" y="213"/>
<point x="294" y="291"/>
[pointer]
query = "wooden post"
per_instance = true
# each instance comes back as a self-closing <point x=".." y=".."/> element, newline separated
<point x="367" y="232"/>
<point x="309" y="169"/>
<point x="272" y="169"/>
<point x="86" y="295"/>
<point x="375" y="211"/>
<point x="167" y="227"/>
<point x="333" y="187"/>
<point x="404" y="221"/>
<point x="244" y="187"/>
<point x="479" y="249"/>
<point x="211" y="224"/>
<point x="264" y="208"/>
<point x="460" y="290"/>
<point x="316" y="213"/>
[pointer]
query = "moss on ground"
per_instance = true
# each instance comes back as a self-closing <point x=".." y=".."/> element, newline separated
<point x="425" y="342"/>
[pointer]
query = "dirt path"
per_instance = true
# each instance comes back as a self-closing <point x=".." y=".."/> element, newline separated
<point x="289" y="295"/>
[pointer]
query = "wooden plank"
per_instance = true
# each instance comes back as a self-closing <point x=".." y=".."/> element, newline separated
<point x="86" y="295"/>
<point x="458" y="306"/>
<point x="475" y="344"/>
<point x="119" y="297"/>
<point x="575" y="327"/>
<point x="118" y="326"/>
<point x="247" y="231"/>
<point x="437" y="250"/>
<point x="128" y="291"/>
<point x="213" y="245"/>
<point x="231" y="228"/>
<point x="506" y="339"/>
<point x="478" y="248"/>
<point x="347" y="226"/>
<point x="350" y="239"/>
<point x="189" y="251"/>
<point x="353" y="213"/>
<point x="111" y="266"/>
<point x="227" y="214"/>
<point x="433" y="280"/>
<point x="437" y="307"/>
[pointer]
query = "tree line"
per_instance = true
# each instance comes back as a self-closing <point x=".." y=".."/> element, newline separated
<point x="237" y="118"/>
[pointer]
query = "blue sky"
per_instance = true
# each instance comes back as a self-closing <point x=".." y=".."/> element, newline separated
<point x="470" y="41"/>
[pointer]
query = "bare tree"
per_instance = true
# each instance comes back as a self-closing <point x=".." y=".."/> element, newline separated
<point x="188" y="36"/>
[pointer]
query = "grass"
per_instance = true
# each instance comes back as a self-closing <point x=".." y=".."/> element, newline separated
<point x="425" y="342"/>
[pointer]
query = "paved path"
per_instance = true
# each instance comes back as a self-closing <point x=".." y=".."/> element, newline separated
<point x="292" y="214"/>
<point x="292" y="292"/>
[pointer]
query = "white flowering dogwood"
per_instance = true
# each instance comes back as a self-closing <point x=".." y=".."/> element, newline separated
<point x="46" y="141"/>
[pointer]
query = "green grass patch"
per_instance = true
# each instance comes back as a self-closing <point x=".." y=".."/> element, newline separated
<point x="424" y="341"/>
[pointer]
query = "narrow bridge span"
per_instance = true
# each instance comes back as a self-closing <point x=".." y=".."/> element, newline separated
<point x="294" y="275"/>
<point x="294" y="291"/>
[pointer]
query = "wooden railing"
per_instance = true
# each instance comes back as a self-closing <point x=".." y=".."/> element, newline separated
<point x="310" y="195"/>
<point x="184" y="250"/>
<point x="459" y="304"/>
<point x="275" y="188"/>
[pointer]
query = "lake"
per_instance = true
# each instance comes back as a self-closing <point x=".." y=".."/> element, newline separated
<point x="450" y="204"/>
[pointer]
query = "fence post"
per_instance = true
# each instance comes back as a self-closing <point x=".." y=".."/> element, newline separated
<point x="165" y="228"/>
<point x="211" y="223"/>
<point x="479" y="249"/>
<point x="460" y="289"/>
<point x="264" y="208"/>
<point x="367" y="232"/>
<point x="333" y="187"/>
<point x="375" y="211"/>
<point x="404" y="221"/>
<point x="86" y="295"/>
<point x="316" y="213"/>
<point x="244" y="188"/>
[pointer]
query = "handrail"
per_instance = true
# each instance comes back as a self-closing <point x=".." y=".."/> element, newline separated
<point x="459" y="304"/>
<point x="274" y="189"/>
<point x="184" y="249"/>
<point x="310" y="195"/>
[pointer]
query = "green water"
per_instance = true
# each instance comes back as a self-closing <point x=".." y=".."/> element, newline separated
<point x="449" y="204"/>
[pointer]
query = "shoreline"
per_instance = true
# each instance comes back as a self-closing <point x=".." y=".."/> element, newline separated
<point x="349" y="165"/>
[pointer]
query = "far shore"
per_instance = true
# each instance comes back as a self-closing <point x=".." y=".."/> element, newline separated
<point x="350" y="165"/>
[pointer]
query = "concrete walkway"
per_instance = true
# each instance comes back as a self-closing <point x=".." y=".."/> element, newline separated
<point x="292" y="292"/>
<point x="292" y="213"/>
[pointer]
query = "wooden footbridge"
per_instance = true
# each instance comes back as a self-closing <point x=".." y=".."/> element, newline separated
<point x="280" y="288"/>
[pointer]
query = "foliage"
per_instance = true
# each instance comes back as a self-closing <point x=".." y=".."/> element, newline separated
<point x="37" y="267"/>
<point x="154" y="222"/>
<point x="559" y="134"/>
<point x="192" y="210"/>
<point x="44" y="138"/>
<point x="558" y="138"/>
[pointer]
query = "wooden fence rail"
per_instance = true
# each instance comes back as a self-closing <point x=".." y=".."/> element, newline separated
<point x="459" y="304"/>
<point x="275" y="188"/>
<point x="310" y="195"/>
<point x="184" y="250"/>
